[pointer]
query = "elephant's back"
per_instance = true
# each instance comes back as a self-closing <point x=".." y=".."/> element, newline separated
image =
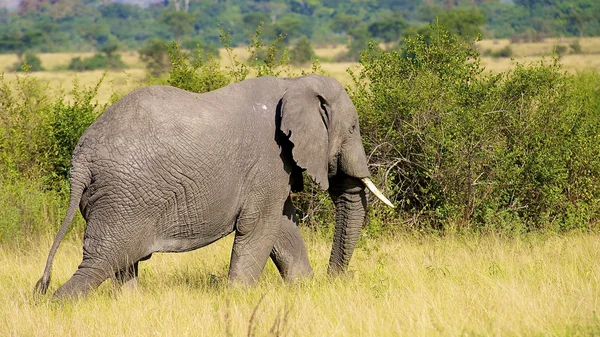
<point x="165" y="163"/>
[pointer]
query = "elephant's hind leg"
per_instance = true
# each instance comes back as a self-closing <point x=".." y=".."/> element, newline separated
<point x="289" y="253"/>
<point x="85" y="279"/>
<point x="102" y="259"/>
<point x="128" y="276"/>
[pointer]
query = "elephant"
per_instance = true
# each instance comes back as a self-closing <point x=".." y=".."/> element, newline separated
<point x="166" y="170"/>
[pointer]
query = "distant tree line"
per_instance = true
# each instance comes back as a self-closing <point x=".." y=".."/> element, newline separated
<point x="84" y="25"/>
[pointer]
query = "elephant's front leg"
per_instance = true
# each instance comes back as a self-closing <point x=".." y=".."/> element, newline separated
<point x="255" y="236"/>
<point x="289" y="253"/>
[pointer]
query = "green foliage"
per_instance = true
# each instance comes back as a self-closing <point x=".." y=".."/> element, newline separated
<point x="268" y="59"/>
<point x="179" y="23"/>
<point x="559" y="49"/>
<point x="302" y="52"/>
<point x="389" y="29"/>
<point x="98" y="61"/>
<point x="155" y="55"/>
<point x="23" y="127"/>
<point x="84" y="26"/>
<point x="107" y="59"/>
<point x="38" y="133"/>
<point x="68" y="119"/>
<point x="195" y="73"/>
<point x="21" y="41"/>
<point x="28" y="210"/>
<point x="517" y="150"/>
<point x="31" y="62"/>
<point x="502" y="52"/>
<point x="576" y="47"/>
<point x="463" y="22"/>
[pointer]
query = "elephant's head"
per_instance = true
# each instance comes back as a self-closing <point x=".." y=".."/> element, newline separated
<point x="322" y="124"/>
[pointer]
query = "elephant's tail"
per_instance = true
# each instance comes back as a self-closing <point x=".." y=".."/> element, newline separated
<point x="79" y="182"/>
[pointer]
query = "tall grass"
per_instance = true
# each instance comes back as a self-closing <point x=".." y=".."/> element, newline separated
<point x="400" y="286"/>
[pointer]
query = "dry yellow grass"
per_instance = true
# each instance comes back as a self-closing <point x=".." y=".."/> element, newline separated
<point x="571" y="63"/>
<point x="426" y="286"/>
<point x="589" y="59"/>
<point x="589" y="45"/>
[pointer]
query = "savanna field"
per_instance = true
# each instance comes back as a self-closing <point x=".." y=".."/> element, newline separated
<point x="492" y="164"/>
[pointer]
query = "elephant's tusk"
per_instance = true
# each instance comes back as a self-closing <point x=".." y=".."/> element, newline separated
<point x="375" y="191"/>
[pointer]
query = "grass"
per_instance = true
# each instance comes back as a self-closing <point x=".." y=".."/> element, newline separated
<point x="427" y="286"/>
<point x="589" y="45"/>
<point x="588" y="59"/>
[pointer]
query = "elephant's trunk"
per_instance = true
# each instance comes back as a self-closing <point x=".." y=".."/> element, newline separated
<point x="350" y="200"/>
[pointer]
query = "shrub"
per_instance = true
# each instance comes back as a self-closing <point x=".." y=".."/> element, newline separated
<point x="200" y="73"/>
<point x="107" y="59"/>
<point x="455" y="145"/>
<point x="503" y="52"/>
<point x="576" y="47"/>
<point x="31" y="62"/>
<point x="265" y="59"/>
<point x="68" y="119"/>
<point x="559" y="49"/>
<point x="38" y="133"/>
<point x="156" y="56"/>
<point x="302" y="52"/>
<point x="23" y="127"/>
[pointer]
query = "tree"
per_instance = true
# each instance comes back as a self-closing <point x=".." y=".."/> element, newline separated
<point x="343" y="23"/>
<point x="96" y="34"/>
<point x="156" y="56"/>
<point x="464" y="22"/>
<point x="302" y="52"/>
<point x="292" y="26"/>
<point x="180" y="23"/>
<point x="21" y="41"/>
<point x="389" y="29"/>
<point x="33" y="63"/>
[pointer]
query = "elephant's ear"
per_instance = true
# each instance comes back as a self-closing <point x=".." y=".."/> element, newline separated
<point x="304" y="120"/>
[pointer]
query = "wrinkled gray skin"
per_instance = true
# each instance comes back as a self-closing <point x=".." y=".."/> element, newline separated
<point x="165" y="170"/>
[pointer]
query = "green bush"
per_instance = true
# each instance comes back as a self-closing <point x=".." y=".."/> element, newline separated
<point x="302" y="52"/>
<point x="28" y="210"/>
<point x="23" y="127"/>
<point x="503" y="52"/>
<point x="68" y="120"/>
<point x="155" y="55"/>
<point x="200" y="73"/>
<point x="37" y="132"/>
<point x="453" y="145"/>
<point x="517" y="150"/>
<point x="559" y="49"/>
<point x="30" y="62"/>
<point x="576" y="47"/>
<point x="98" y="61"/>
